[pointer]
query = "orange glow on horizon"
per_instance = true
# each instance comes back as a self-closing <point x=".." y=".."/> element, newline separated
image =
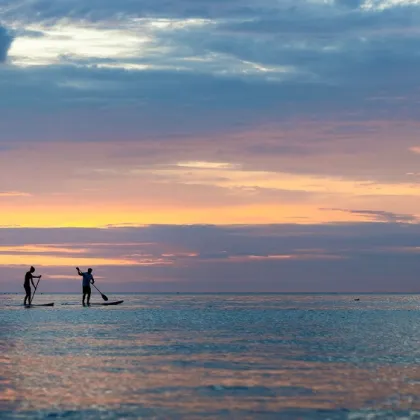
<point x="49" y="260"/>
<point x="108" y="216"/>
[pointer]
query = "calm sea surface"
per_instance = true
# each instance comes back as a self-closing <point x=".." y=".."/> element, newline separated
<point x="212" y="356"/>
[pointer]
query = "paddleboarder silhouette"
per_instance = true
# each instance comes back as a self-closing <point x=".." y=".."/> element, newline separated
<point x="86" y="282"/>
<point x="29" y="278"/>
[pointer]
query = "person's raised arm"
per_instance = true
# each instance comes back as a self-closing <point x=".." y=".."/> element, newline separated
<point x="78" y="271"/>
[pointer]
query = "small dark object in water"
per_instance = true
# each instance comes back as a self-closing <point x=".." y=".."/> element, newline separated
<point x="356" y="300"/>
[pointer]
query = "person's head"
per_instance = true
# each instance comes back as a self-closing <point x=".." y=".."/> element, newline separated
<point x="32" y="269"/>
<point x="90" y="270"/>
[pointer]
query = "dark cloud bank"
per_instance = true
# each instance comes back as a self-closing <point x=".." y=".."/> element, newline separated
<point x="342" y="56"/>
<point x="199" y="258"/>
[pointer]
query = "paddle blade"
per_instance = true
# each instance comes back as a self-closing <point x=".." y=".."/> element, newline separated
<point x="104" y="297"/>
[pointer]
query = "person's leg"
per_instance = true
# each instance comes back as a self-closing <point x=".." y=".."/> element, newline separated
<point x="88" y="296"/>
<point x="27" y="300"/>
<point x="84" y="295"/>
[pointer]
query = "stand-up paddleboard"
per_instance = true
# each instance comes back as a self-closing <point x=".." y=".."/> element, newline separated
<point x="117" y="302"/>
<point x="36" y="305"/>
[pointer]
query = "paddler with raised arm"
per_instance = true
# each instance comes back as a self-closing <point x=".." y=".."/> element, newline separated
<point x="86" y="282"/>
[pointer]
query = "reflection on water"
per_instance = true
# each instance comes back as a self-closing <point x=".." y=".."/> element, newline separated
<point x="221" y="356"/>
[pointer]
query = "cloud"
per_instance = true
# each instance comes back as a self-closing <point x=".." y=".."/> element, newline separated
<point x="270" y="84"/>
<point x="310" y="42"/>
<point x="352" y="4"/>
<point x="14" y="194"/>
<point x="383" y="216"/>
<point x="234" y="62"/>
<point x="5" y="43"/>
<point x="334" y="257"/>
<point x="97" y="10"/>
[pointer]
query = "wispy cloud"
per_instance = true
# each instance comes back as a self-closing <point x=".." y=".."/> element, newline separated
<point x="207" y="165"/>
<point x="14" y="194"/>
<point x="383" y="216"/>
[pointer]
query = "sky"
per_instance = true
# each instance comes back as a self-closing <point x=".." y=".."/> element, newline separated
<point x="207" y="146"/>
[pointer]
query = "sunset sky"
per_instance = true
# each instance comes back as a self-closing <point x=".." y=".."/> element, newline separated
<point x="208" y="145"/>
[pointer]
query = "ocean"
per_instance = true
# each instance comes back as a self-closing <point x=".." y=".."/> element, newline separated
<point x="204" y="356"/>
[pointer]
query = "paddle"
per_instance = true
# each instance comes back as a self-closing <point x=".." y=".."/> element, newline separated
<point x="33" y="294"/>
<point x="104" y="297"/>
